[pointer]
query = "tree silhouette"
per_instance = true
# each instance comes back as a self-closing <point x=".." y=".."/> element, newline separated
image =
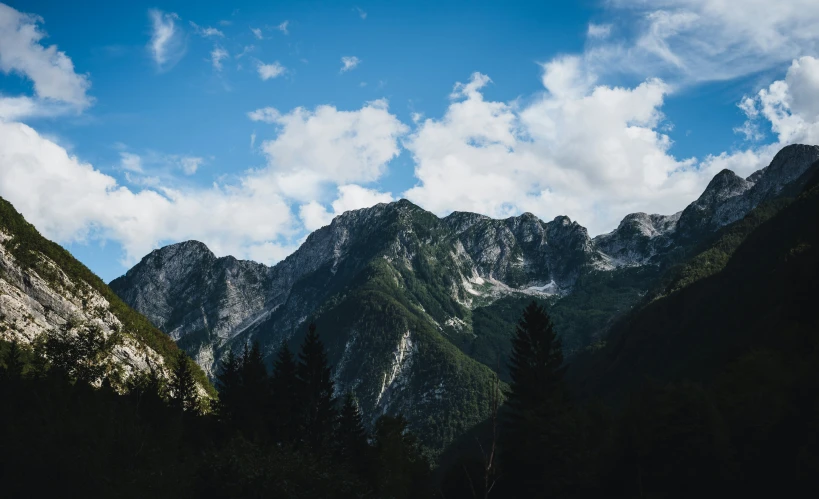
<point x="317" y="392"/>
<point x="352" y="448"/>
<point x="535" y="404"/>
<point x="254" y="400"/>
<point x="284" y="388"/>
<point x="184" y="395"/>
<point x="402" y="470"/>
<point x="229" y="385"/>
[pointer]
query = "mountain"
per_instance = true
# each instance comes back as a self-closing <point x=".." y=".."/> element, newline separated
<point x="42" y="288"/>
<point x="745" y="303"/>
<point x="415" y="309"/>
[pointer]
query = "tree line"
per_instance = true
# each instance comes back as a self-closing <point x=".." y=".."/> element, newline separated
<point x="750" y="432"/>
<point x="281" y="433"/>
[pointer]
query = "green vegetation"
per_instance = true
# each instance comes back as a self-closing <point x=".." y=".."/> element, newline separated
<point x="26" y="245"/>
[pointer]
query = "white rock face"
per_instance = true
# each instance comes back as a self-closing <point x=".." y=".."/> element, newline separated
<point x="30" y="306"/>
<point x="641" y="239"/>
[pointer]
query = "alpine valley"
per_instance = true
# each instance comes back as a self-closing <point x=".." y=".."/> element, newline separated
<point x="417" y="311"/>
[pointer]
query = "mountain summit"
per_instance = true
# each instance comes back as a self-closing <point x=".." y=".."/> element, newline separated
<point x="398" y="294"/>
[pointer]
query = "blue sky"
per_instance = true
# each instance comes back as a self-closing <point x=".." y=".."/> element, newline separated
<point x="128" y="126"/>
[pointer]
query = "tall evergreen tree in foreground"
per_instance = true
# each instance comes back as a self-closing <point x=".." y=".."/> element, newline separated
<point x="284" y="388"/>
<point x="352" y="448"/>
<point x="255" y="403"/>
<point x="538" y="420"/>
<point x="229" y="383"/>
<point x="317" y="392"/>
<point x="183" y="385"/>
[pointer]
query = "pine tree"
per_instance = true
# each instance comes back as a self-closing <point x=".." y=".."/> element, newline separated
<point x="229" y="385"/>
<point x="255" y="403"/>
<point x="14" y="361"/>
<point x="352" y="448"/>
<point x="536" y="405"/>
<point x="317" y="392"/>
<point x="184" y="395"/>
<point x="536" y="362"/>
<point x="284" y="388"/>
<point x="402" y="470"/>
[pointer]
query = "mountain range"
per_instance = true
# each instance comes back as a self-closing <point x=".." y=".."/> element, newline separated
<point x="416" y="311"/>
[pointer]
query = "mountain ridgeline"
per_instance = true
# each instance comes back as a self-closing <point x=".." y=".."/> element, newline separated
<point x="417" y="311"/>
<point x="45" y="292"/>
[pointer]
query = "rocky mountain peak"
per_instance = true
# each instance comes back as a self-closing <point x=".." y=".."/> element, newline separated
<point x="725" y="184"/>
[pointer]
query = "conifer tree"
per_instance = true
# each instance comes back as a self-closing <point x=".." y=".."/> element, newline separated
<point x="535" y="402"/>
<point x="352" y="448"/>
<point x="14" y="361"/>
<point x="402" y="470"/>
<point x="229" y="385"/>
<point x="254" y="405"/>
<point x="316" y="392"/>
<point x="284" y="388"/>
<point x="183" y="385"/>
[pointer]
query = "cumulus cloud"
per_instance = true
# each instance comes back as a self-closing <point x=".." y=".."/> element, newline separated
<point x="689" y="41"/>
<point x="217" y="55"/>
<point x="283" y="27"/>
<point x="167" y="44"/>
<point x="330" y="146"/>
<point x="790" y="105"/>
<point x="591" y="152"/>
<point x="361" y="13"/>
<point x="57" y="87"/>
<point x="349" y="62"/>
<point x="69" y="200"/>
<point x="269" y="71"/>
<point x="257" y="32"/>
<point x="349" y="197"/>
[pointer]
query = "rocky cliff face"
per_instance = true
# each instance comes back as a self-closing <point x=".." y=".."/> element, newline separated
<point x="42" y="288"/>
<point x="393" y="288"/>
<point x="203" y="301"/>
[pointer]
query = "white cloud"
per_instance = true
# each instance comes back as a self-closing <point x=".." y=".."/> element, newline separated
<point x="190" y="164"/>
<point x="257" y="32"/>
<point x="311" y="154"/>
<point x="167" y="43"/>
<point x="268" y="71"/>
<point x="329" y="146"/>
<point x="349" y="197"/>
<point x="69" y="200"/>
<point x="207" y="31"/>
<point x="265" y="115"/>
<point x="361" y="13"/>
<point x="283" y="27"/>
<point x="789" y="105"/>
<point x="252" y="139"/>
<point x="217" y="55"/>
<point x="57" y="87"/>
<point x="130" y="162"/>
<point x="599" y="30"/>
<point x="349" y="63"/>
<point x="705" y="40"/>
<point x="590" y="152"/>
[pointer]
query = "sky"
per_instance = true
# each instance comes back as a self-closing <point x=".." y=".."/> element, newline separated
<point x="126" y="126"/>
